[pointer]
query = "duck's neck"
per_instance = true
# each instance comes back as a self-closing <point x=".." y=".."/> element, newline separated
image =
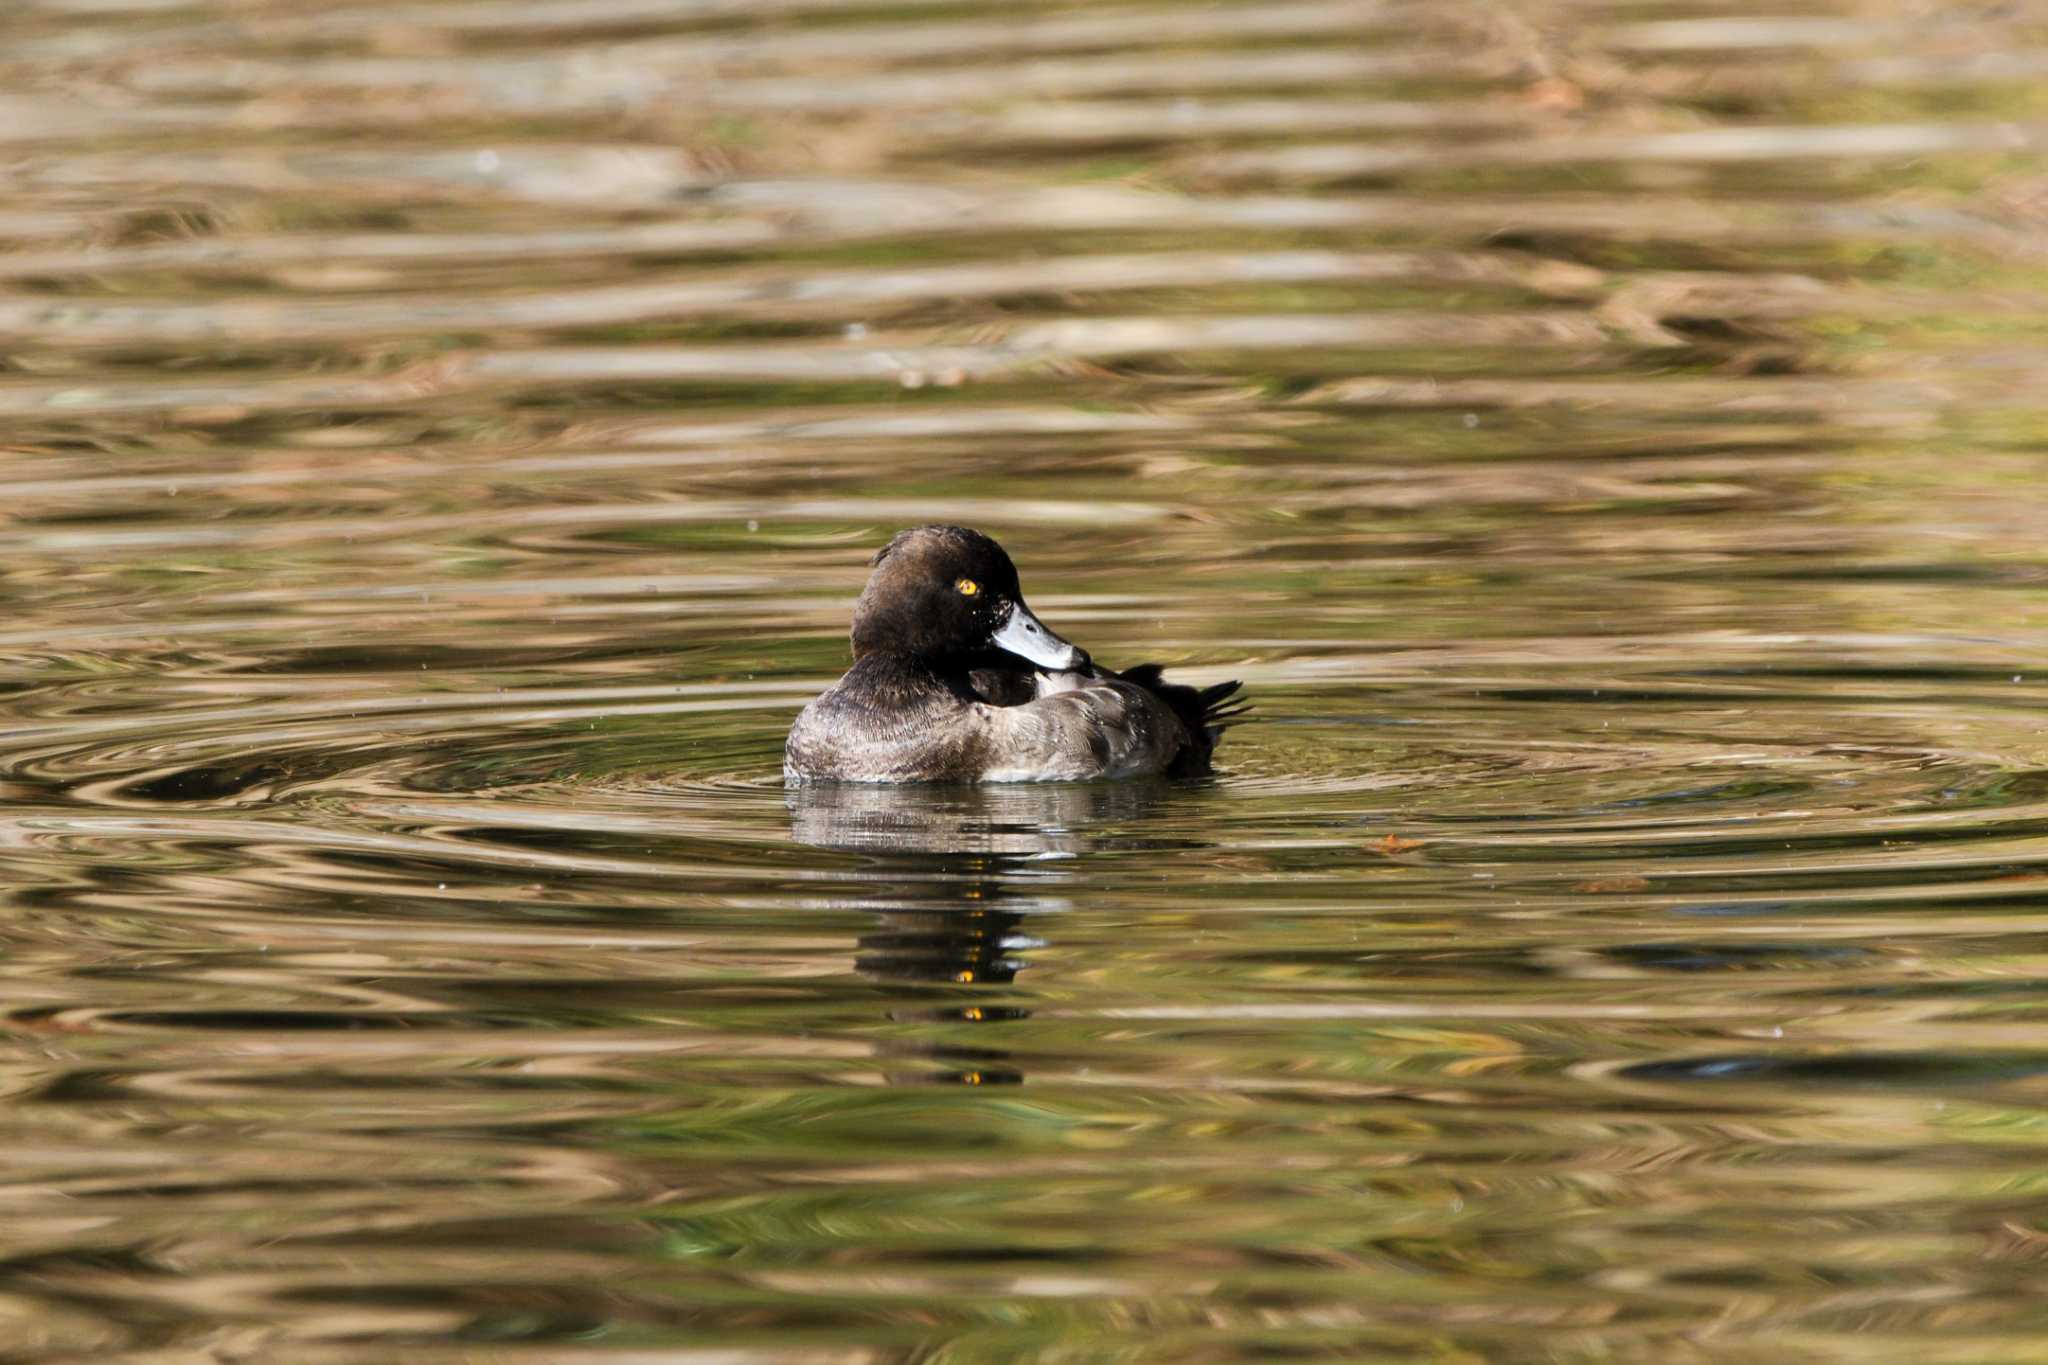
<point x="892" y="677"/>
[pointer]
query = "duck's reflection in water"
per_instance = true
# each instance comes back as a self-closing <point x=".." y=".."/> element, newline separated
<point x="983" y="861"/>
<point x="1017" y="822"/>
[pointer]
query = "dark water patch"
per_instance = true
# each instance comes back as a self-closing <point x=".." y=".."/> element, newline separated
<point x="1893" y="1071"/>
<point x="1698" y="957"/>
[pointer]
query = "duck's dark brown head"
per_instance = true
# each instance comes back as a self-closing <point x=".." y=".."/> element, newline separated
<point x="946" y="595"/>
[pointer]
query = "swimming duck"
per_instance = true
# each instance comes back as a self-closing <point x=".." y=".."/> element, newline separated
<point x="954" y="680"/>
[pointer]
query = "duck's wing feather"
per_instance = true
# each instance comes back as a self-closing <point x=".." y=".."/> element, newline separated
<point x="1106" y="727"/>
<point x="1204" y="713"/>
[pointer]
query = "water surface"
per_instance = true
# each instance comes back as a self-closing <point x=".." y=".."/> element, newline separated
<point x="442" y="445"/>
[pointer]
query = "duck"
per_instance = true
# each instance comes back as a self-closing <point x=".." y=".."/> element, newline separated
<point x="955" y="679"/>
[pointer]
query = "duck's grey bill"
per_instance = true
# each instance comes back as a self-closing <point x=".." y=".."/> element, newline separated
<point x="1025" y="635"/>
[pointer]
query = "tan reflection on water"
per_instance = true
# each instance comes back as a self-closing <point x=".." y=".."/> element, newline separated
<point x="442" y="442"/>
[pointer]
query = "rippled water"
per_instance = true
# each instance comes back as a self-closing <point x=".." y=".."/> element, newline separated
<point x="442" y="444"/>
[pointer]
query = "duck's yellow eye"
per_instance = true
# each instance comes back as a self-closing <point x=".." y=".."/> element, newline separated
<point x="967" y="587"/>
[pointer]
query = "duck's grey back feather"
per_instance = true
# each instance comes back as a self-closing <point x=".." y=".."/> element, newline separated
<point x="1099" y="726"/>
<point x="1105" y="727"/>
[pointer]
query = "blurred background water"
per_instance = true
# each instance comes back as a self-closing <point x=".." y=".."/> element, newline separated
<point x="442" y="443"/>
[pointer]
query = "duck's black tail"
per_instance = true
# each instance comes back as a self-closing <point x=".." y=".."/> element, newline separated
<point x="1205" y="712"/>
